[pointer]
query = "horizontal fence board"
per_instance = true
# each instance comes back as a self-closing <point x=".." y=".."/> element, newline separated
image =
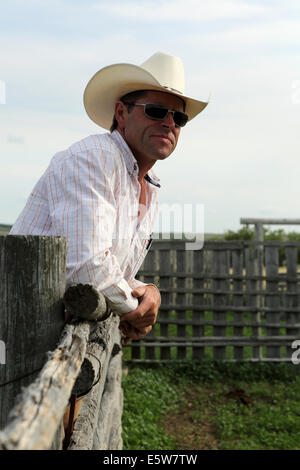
<point x="254" y="360"/>
<point x="215" y="343"/>
<point x="165" y="245"/>
<point x="175" y="321"/>
<point x="170" y="273"/>
<point x="229" y="308"/>
<point x="229" y="292"/>
<point x="208" y="339"/>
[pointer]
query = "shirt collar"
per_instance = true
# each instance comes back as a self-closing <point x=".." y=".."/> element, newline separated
<point x="130" y="160"/>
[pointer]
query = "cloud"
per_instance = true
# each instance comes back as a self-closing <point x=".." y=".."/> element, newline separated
<point x="257" y="37"/>
<point x="181" y="10"/>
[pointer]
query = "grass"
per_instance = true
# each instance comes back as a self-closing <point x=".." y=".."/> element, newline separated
<point x="191" y="406"/>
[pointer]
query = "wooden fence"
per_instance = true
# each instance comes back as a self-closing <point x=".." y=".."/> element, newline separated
<point x="48" y="361"/>
<point x="229" y="301"/>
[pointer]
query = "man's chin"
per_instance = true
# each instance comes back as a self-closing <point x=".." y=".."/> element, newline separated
<point x="162" y="152"/>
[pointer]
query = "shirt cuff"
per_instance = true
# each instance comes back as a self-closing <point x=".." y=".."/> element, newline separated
<point x="135" y="283"/>
<point x="119" y="298"/>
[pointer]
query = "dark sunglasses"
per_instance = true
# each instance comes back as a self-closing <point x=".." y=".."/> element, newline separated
<point x="158" y="112"/>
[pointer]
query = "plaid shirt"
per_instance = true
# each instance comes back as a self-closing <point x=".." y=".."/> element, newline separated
<point x="90" y="195"/>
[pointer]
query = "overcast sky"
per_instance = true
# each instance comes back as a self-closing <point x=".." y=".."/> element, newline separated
<point x="239" y="157"/>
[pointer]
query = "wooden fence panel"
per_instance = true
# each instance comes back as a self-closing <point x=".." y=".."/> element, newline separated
<point x="240" y="308"/>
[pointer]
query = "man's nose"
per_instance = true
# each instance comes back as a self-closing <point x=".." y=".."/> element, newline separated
<point x="169" y="120"/>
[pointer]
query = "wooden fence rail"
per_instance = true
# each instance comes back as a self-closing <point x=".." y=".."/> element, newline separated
<point x="35" y="384"/>
<point x="220" y="303"/>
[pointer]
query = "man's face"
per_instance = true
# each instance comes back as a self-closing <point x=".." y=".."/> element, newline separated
<point x="150" y="139"/>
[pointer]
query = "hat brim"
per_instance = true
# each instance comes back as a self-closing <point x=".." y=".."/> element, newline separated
<point x="109" y="84"/>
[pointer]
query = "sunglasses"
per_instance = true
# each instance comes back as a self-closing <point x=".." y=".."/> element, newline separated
<point x="158" y="112"/>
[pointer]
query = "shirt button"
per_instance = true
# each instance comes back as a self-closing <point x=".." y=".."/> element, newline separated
<point x="135" y="166"/>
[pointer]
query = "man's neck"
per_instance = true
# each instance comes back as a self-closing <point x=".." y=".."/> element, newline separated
<point x="144" y="164"/>
<point x="143" y="170"/>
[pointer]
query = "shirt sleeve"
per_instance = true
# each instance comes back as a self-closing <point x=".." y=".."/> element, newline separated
<point x="83" y="209"/>
<point x="135" y="283"/>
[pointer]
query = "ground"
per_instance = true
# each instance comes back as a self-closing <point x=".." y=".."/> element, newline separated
<point x="191" y="425"/>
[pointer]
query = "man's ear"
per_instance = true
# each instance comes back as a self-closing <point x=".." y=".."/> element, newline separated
<point x="120" y="114"/>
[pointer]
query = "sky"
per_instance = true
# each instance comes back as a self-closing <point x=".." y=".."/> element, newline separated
<point x="238" y="158"/>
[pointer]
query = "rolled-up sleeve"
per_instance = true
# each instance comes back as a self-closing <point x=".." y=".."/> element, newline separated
<point x="82" y="208"/>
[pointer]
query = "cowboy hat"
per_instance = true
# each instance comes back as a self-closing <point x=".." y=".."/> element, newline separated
<point x="161" y="72"/>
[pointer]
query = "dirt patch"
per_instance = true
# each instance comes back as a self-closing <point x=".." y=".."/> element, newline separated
<point x="191" y="425"/>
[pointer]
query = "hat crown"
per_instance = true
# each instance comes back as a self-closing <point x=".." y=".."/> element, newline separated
<point x="167" y="70"/>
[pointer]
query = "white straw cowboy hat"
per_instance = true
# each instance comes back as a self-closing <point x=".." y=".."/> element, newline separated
<point x="161" y="72"/>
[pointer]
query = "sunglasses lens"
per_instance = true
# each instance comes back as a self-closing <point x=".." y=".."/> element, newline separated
<point x="155" y="112"/>
<point x="160" y="112"/>
<point x="180" y="118"/>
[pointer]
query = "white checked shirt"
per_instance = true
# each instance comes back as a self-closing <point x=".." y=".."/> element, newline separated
<point x="90" y="195"/>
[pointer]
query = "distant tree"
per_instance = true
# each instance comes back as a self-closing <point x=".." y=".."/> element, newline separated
<point x="248" y="233"/>
<point x="244" y="233"/>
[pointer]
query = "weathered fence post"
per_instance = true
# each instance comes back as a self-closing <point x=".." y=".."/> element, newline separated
<point x="32" y="284"/>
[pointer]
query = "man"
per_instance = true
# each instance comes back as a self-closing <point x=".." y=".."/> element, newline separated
<point x="101" y="193"/>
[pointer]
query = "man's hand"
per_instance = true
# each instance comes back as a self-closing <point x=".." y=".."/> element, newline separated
<point x="137" y="323"/>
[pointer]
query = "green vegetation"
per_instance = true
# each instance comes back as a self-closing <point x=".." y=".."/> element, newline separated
<point x="248" y="233"/>
<point x="193" y="406"/>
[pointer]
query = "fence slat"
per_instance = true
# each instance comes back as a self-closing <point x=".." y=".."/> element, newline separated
<point x="198" y="352"/>
<point x="272" y="263"/>
<point x="181" y="299"/>
<point x="220" y="265"/>
<point x="151" y="265"/>
<point x="252" y="269"/>
<point x="165" y="282"/>
<point x="237" y="268"/>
